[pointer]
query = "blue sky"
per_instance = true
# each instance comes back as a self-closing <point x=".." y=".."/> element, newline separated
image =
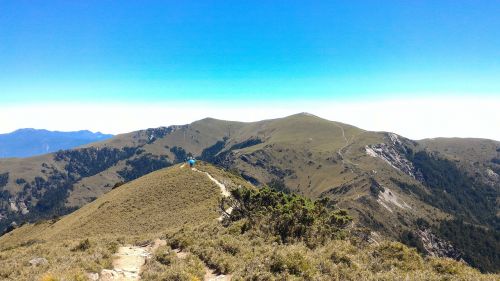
<point x="233" y="51"/>
<point x="418" y="68"/>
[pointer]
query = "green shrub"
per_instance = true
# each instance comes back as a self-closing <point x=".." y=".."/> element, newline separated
<point x="290" y="217"/>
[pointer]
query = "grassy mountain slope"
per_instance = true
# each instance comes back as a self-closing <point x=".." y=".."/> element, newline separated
<point x="167" y="198"/>
<point x="397" y="187"/>
<point x="269" y="236"/>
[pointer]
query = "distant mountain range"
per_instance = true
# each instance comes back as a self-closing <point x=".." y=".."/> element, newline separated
<point x="32" y="142"/>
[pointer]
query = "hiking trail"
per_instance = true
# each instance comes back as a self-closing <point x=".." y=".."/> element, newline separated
<point x="210" y="274"/>
<point x="129" y="261"/>
<point x="223" y="190"/>
<point x="347" y="142"/>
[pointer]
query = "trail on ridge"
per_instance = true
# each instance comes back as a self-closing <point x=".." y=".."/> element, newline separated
<point x="210" y="274"/>
<point x="223" y="190"/>
<point x="347" y="141"/>
<point x="129" y="259"/>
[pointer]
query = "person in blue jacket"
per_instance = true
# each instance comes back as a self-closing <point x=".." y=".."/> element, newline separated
<point x="191" y="162"/>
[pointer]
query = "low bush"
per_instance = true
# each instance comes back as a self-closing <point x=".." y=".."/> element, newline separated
<point x="292" y="218"/>
<point x="82" y="246"/>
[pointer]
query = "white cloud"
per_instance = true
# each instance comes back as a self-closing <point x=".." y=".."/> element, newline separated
<point x="414" y="118"/>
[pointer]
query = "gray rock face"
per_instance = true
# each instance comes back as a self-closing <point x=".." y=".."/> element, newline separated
<point x="38" y="261"/>
<point x="394" y="154"/>
<point x="437" y="247"/>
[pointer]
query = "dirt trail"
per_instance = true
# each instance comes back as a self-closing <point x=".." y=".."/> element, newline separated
<point x="347" y="141"/>
<point x="210" y="274"/>
<point x="129" y="261"/>
<point x="223" y="189"/>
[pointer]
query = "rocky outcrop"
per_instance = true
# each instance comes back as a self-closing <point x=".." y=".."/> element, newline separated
<point x="394" y="153"/>
<point x="17" y="207"/>
<point x="437" y="247"/>
<point x="386" y="197"/>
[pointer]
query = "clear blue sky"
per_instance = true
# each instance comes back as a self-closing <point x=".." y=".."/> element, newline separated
<point x="246" y="50"/>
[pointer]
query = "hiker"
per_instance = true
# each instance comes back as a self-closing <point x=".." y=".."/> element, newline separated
<point x="191" y="162"/>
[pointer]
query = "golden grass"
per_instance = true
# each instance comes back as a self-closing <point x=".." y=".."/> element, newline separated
<point x="64" y="262"/>
<point x="250" y="256"/>
<point x="140" y="210"/>
<point x="165" y="199"/>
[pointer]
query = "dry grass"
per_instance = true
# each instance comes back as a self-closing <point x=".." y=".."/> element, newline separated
<point x="166" y="199"/>
<point x="165" y="265"/>
<point x="63" y="261"/>
<point x="143" y="209"/>
<point x="250" y="256"/>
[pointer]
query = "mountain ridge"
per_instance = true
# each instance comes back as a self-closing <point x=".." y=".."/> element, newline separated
<point x="390" y="184"/>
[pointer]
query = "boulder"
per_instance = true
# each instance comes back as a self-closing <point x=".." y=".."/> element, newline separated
<point x="38" y="261"/>
<point x="109" y="275"/>
<point x="92" y="276"/>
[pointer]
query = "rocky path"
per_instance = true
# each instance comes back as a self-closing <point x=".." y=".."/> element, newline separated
<point x="129" y="261"/>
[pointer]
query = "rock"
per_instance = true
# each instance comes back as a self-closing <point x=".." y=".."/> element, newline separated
<point x="394" y="153"/>
<point x="109" y="275"/>
<point x="492" y="175"/>
<point x="38" y="261"/>
<point x="92" y="276"/>
<point x="24" y="208"/>
<point x="437" y="247"/>
<point x="13" y="205"/>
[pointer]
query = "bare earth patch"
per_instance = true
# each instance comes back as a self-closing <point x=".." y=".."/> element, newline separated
<point x="129" y="261"/>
